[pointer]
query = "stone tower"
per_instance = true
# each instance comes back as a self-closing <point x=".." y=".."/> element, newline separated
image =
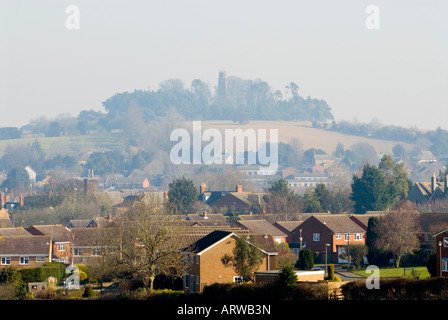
<point x="222" y="84"/>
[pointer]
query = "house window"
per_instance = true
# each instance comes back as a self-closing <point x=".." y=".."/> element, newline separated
<point x="237" y="279"/>
<point x="6" y="260"/>
<point x="445" y="242"/>
<point x="61" y="247"/>
<point x="337" y="236"/>
<point x="77" y="252"/>
<point x="347" y="236"/>
<point x="358" y="236"/>
<point x="24" y="260"/>
<point x="191" y="283"/>
<point x="197" y="259"/>
<point x="444" y="264"/>
<point x="40" y="259"/>
<point x="95" y="252"/>
<point x="197" y="281"/>
<point x="316" y="236"/>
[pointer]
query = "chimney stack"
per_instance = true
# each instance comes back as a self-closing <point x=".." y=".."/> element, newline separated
<point x="2" y="200"/>
<point x="445" y="186"/>
<point x="433" y="183"/>
<point x="239" y="188"/>
<point x="202" y="188"/>
<point x="22" y="200"/>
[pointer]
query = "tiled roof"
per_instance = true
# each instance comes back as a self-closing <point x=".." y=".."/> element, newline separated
<point x="209" y="240"/>
<point x="14" y="232"/>
<point x="289" y="225"/>
<point x="339" y="223"/>
<point x="58" y="232"/>
<point x="262" y="227"/>
<point x="26" y="245"/>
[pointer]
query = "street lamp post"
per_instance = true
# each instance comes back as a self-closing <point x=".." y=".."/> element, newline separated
<point x="440" y="255"/>
<point x="326" y="247"/>
<point x="348" y="251"/>
<point x="300" y="238"/>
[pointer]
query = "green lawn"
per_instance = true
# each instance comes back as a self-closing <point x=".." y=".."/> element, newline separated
<point x="418" y="272"/>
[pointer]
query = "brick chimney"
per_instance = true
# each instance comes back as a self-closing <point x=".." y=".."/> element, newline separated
<point x="2" y="200"/>
<point x="165" y="195"/>
<point x="22" y="200"/>
<point x="239" y="188"/>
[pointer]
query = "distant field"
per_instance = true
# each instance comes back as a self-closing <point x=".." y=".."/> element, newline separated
<point x="308" y="136"/>
<point x="68" y="145"/>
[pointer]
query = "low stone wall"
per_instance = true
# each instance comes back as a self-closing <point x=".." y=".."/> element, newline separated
<point x="302" y="276"/>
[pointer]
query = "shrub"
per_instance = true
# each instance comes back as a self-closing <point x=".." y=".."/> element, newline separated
<point x="330" y="270"/>
<point x="305" y="261"/>
<point x="167" y="294"/>
<point x="84" y="272"/>
<point x="88" y="292"/>
<point x="431" y="264"/>
<point x="397" y="289"/>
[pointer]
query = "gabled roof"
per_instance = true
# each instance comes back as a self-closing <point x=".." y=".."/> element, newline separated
<point x="210" y="240"/>
<point x="288" y="225"/>
<point x="58" y="232"/>
<point x="215" y="237"/>
<point x="440" y="232"/>
<point x="339" y="223"/>
<point x="262" y="227"/>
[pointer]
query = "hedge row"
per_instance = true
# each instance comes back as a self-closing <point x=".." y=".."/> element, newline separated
<point x="41" y="274"/>
<point x="398" y="289"/>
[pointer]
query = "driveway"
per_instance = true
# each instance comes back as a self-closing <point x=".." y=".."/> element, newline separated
<point x="346" y="275"/>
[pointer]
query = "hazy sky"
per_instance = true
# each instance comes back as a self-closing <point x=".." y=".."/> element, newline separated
<point x="397" y="73"/>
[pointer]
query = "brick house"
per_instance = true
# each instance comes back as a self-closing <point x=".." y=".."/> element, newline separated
<point x="442" y="252"/>
<point x="206" y="266"/>
<point x="238" y="200"/>
<point x="86" y="244"/>
<point x="262" y="227"/>
<point x="336" y="230"/>
<point x="25" y="251"/>
<point x="61" y="239"/>
<point x="288" y="227"/>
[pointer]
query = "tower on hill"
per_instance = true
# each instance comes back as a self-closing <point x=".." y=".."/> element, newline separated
<point x="222" y="84"/>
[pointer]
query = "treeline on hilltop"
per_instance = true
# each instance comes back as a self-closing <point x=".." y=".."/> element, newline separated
<point x="244" y="100"/>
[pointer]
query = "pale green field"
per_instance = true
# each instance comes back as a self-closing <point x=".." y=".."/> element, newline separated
<point x="68" y="145"/>
<point x="309" y="138"/>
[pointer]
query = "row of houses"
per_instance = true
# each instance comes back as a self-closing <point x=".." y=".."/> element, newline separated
<point x="212" y="236"/>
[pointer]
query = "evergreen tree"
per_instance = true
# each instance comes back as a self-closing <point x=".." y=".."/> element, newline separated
<point x="182" y="193"/>
<point x="370" y="192"/>
<point x="306" y="260"/>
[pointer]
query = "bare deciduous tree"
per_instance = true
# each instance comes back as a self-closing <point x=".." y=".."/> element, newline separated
<point x="145" y="238"/>
<point x="397" y="232"/>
